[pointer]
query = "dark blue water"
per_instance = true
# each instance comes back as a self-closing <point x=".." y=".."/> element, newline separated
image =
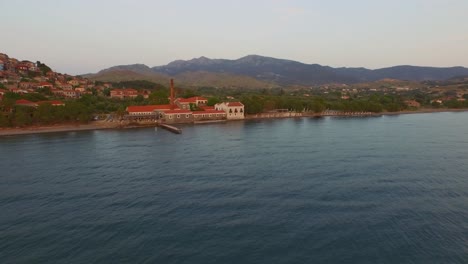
<point x="335" y="190"/>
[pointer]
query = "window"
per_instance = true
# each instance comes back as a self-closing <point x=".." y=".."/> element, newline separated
<point x="210" y="115"/>
<point x="186" y="116"/>
<point x="178" y="116"/>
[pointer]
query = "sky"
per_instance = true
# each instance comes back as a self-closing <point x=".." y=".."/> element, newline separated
<point x="85" y="36"/>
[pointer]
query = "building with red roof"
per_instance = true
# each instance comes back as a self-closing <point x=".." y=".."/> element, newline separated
<point x="177" y="116"/>
<point x="44" y="85"/>
<point x="205" y="107"/>
<point x="147" y="109"/>
<point x="123" y="93"/>
<point x="233" y="110"/>
<point x="209" y="115"/>
<point x="24" y="102"/>
<point x="172" y="116"/>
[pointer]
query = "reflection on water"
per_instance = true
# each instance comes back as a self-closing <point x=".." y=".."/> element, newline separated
<point x="389" y="189"/>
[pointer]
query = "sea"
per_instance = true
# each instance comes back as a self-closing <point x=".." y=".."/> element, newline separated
<point x="388" y="189"/>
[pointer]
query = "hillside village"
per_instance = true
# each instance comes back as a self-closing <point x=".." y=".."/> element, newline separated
<point x="32" y="93"/>
<point x="35" y="86"/>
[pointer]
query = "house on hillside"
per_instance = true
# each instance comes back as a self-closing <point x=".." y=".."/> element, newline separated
<point x="74" y="82"/>
<point x="44" y="85"/>
<point x="70" y="94"/>
<point x="24" y="102"/>
<point x="26" y="85"/>
<point x="412" y="103"/>
<point x="233" y="110"/>
<point x="123" y="93"/>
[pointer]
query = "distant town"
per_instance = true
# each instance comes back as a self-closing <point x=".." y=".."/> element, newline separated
<point x="32" y="94"/>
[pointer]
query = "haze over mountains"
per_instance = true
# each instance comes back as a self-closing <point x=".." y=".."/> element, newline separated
<point x="256" y="71"/>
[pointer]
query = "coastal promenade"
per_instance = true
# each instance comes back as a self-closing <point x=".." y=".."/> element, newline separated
<point x="98" y="125"/>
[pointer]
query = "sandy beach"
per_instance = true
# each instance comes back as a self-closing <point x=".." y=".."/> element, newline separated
<point x="98" y="125"/>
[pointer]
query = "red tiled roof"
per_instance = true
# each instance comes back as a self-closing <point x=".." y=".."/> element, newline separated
<point x="198" y="98"/>
<point x="45" y="84"/>
<point x="234" y="104"/>
<point x="24" y="102"/>
<point x="185" y="100"/>
<point x="205" y="107"/>
<point x="178" y="111"/>
<point x="147" y="108"/>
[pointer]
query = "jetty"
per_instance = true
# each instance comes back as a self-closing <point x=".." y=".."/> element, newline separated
<point x="173" y="129"/>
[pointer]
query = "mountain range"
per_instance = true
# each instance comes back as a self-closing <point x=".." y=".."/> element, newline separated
<point x="254" y="71"/>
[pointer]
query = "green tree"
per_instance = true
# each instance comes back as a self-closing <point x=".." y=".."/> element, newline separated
<point x="159" y="97"/>
<point x="139" y="98"/>
<point x="22" y="116"/>
<point x="43" y="68"/>
<point x="4" y="122"/>
<point x="189" y="93"/>
<point x="44" y="114"/>
<point x="213" y="100"/>
<point x="106" y="92"/>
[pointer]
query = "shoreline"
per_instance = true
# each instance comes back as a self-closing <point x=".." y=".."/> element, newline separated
<point x="56" y="128"/>
<point x="100" y="125"/>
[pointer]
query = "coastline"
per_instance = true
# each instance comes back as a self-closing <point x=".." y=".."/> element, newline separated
<point x="96" y="125"/>
<point x="425" y="111"/>
<point x="100" y="125"/>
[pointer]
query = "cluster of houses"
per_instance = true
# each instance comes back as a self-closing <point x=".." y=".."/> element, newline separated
<point x="186" y="110"/>
<point x="24" y="102"/>
<point x="13" y="71"/>
<point x="128" y="93"/>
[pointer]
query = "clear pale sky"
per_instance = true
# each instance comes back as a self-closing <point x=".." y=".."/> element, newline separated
<point x="82" y="36"/>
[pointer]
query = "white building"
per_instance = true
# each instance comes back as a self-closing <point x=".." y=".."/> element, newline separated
<point x="233" y="110"/>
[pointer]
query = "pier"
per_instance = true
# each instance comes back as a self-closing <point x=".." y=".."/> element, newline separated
<point x="173" y="129"/>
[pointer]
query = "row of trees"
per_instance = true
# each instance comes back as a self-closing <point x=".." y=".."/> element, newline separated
<point x="377" y="103"/>
<point x="45" y="114"/>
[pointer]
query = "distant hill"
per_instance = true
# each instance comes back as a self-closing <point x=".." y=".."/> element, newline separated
<point x="262" y="72"/>
<point x="122" y="74"/>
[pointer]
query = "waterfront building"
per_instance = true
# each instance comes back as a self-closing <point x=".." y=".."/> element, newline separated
<point x="147" y="109"/>
<point x="209" y="115"/>
<point x="233" y="110"/>
<point x="412" y="103"/>
<point x="177" y="116"/>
